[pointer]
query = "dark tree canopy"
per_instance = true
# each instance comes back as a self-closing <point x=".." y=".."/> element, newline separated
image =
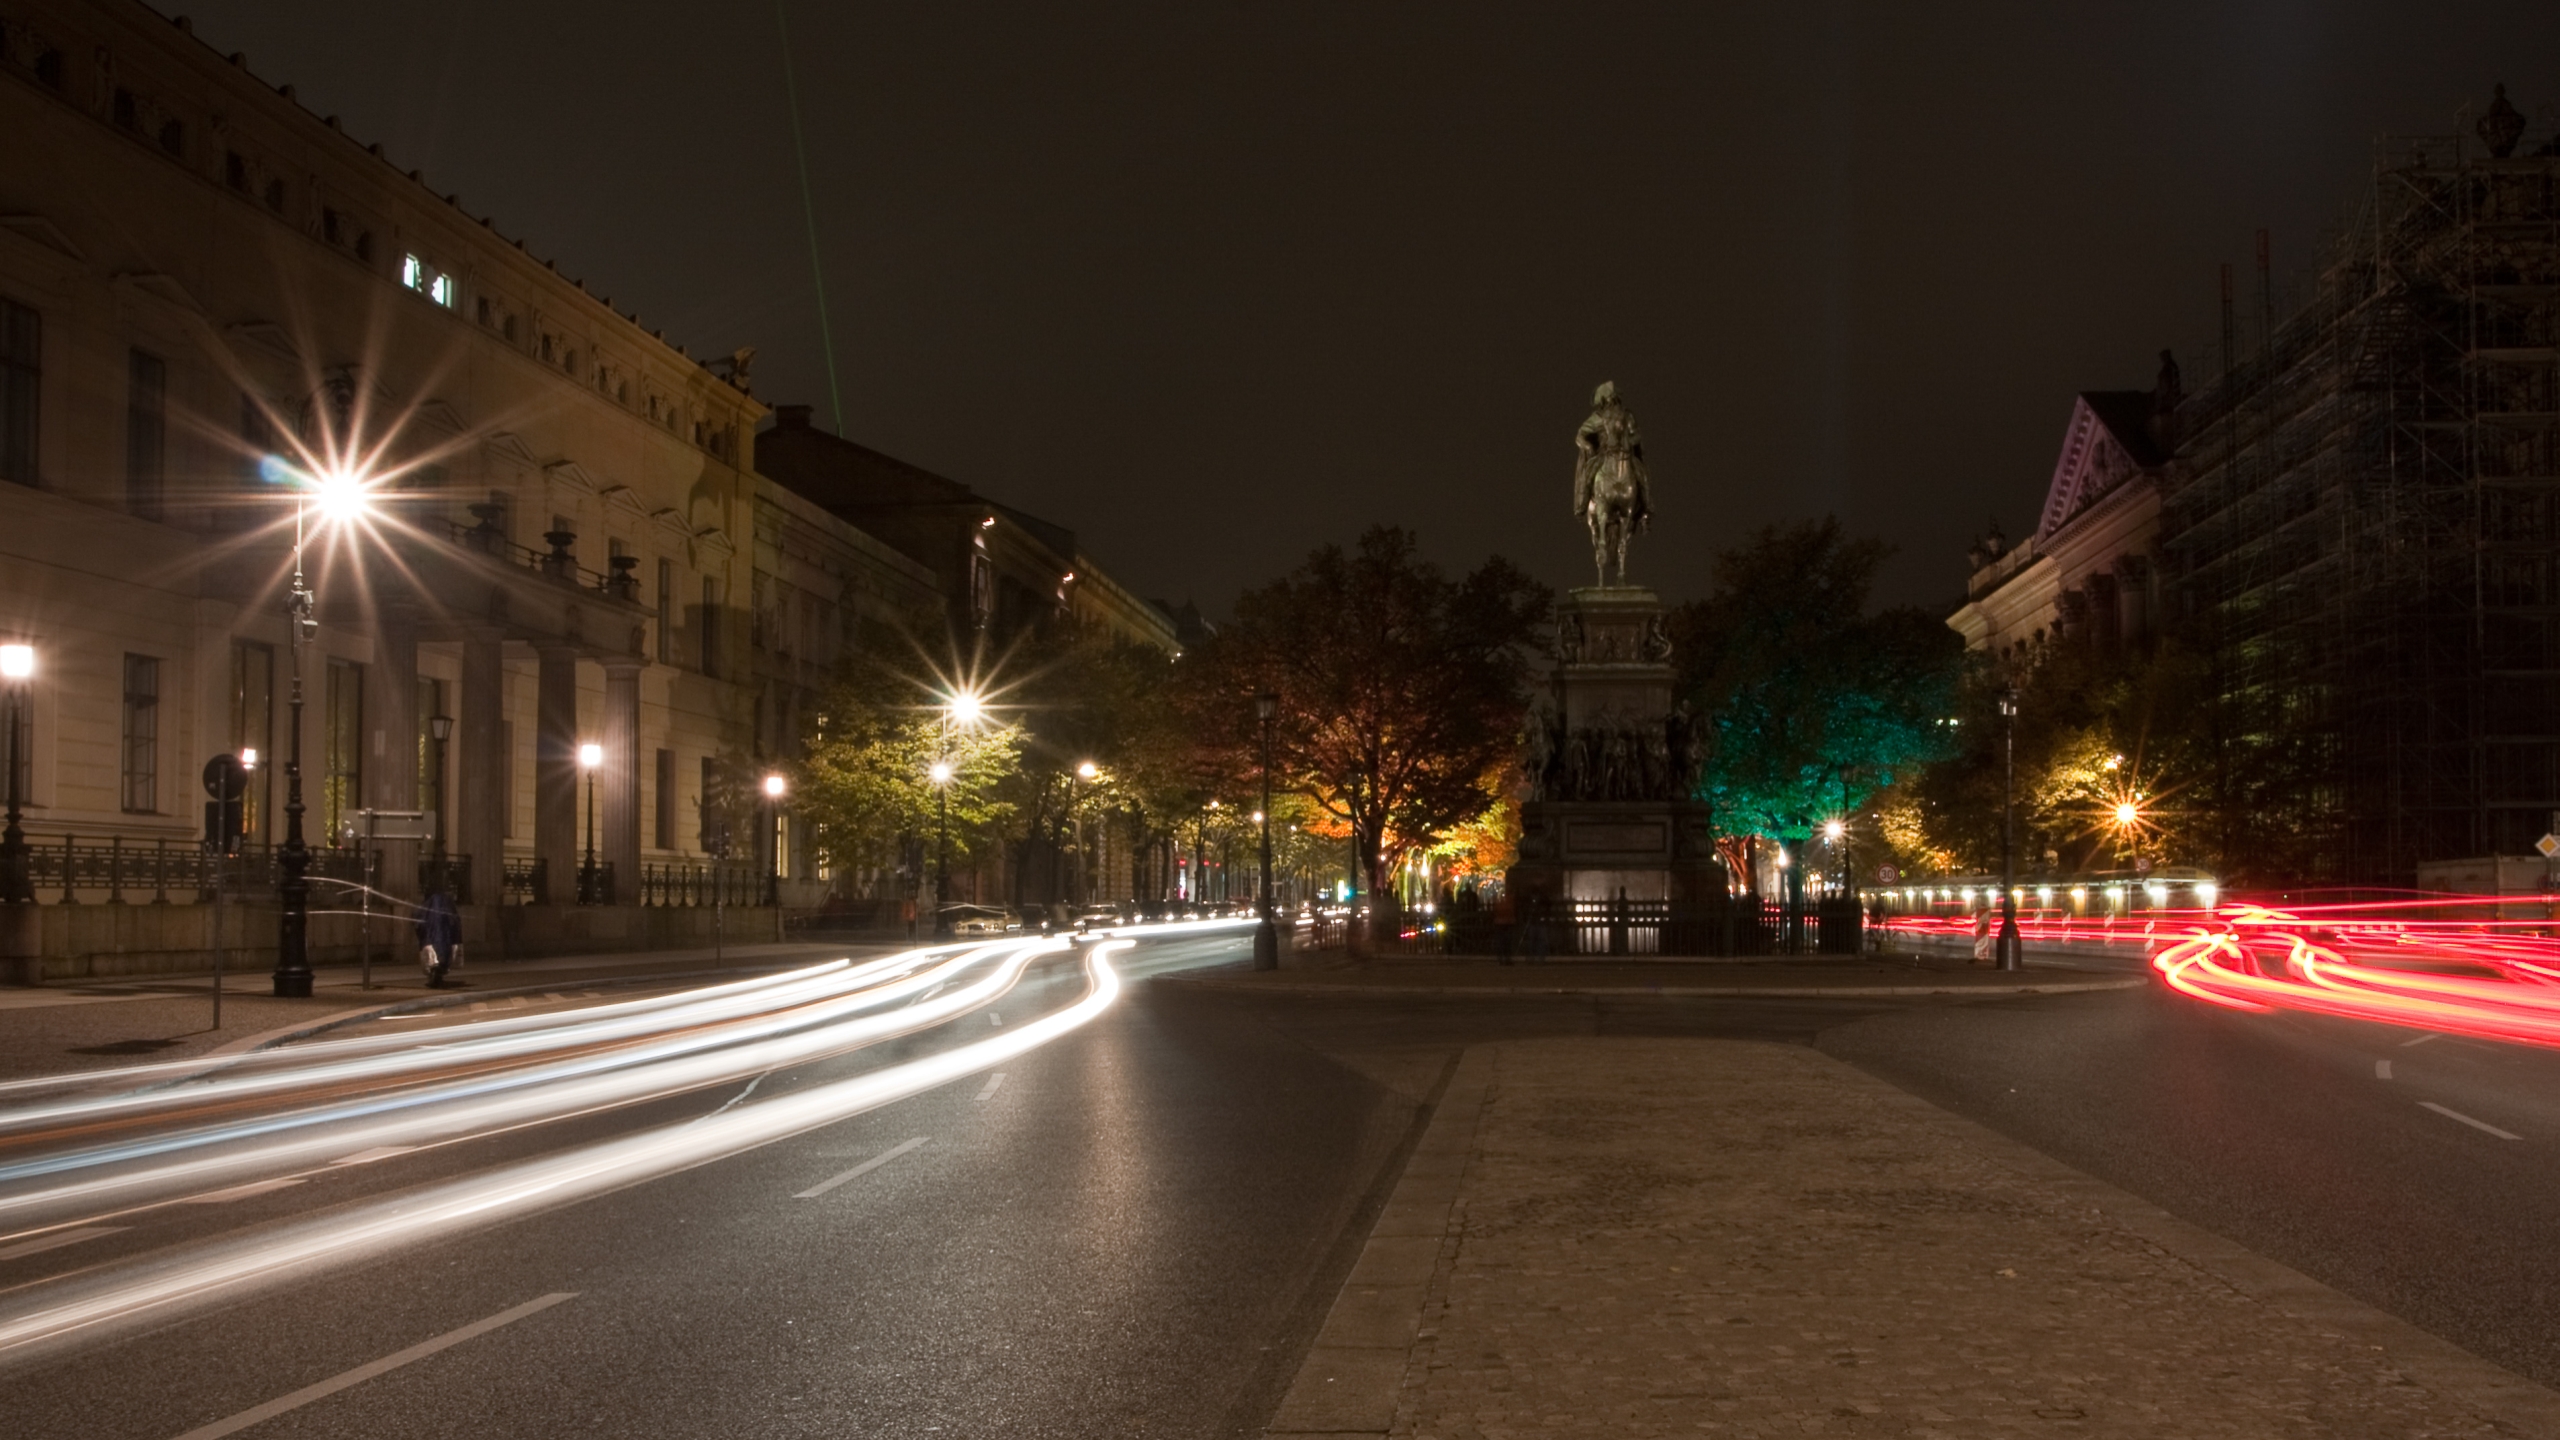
<point x="1400" y="688"/>
<point x="1813" y="704"/>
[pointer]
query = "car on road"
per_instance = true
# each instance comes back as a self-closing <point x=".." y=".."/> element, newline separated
<point x="978" y="920"/>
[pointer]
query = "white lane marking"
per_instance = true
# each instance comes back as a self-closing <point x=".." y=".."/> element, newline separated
<point x="992" y="1082"/>
<point x="553" y="995"/>
<point x="2423" y="1039"/>
<point x="2381" y="1069"/>
<point x="858" y="1171"/>
<point x="57" y="1240"/>
<point x="378" y="1152"/>
<point x="362" y="1373"/>
<point x="241" y="1192"/>
<point x="741" y="1095"/>
<point x="994" y="1019"/>
<point x="2467" y="1120"/>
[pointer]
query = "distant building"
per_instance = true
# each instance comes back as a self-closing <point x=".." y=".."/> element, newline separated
<point x="2356" y="524"/>
<point x="2090" y="571"/>
<point x="998" y="569"/>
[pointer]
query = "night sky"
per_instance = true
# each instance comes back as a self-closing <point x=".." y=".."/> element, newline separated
<point x="1215" y="283"/>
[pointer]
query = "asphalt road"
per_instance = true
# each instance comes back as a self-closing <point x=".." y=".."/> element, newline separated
<point x="1137" y="1230"/>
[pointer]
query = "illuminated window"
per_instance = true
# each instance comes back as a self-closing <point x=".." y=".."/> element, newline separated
<point x="427" y="280"/>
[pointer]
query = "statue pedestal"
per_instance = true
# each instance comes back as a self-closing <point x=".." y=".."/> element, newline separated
<point x="1611" y="814"/>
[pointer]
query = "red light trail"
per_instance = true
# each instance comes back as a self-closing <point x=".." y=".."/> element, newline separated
<point x="2449" y="963"/>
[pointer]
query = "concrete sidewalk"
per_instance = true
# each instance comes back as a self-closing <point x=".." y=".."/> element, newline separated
<point x="59" y="1029"/>
<point x="1679" y="1237"/>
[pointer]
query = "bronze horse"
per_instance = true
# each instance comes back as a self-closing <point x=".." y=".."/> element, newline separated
<point x="1611" y="492"/>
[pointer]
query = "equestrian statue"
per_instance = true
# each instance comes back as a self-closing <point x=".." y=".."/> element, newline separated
<point x="1611" y="493"/>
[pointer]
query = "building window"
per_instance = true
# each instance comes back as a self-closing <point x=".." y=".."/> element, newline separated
<point x="711" y="628"/>
<point x="19" y="333"/>
<point x="666" y="612"/>
<point x="341" y="748"/>
<point x="253" y="723"/>
<point x="235" y="170"/>
<point x="146" y="433"/>
<point x="49" y="68"/>
<point x="128" y="112"/>
<point x="715" y="836"/>
<point x="275" y="196"/>
<point x="173" y="136"/>
<point x="662" y="828"/>
<point x="982" y="589"/>
<point x="427" y="280"/>
<point x="329" y="227"/>
<point x="141" y="735"/>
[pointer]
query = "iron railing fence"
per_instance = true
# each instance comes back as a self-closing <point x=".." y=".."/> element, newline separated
<point x="692" y="884"/>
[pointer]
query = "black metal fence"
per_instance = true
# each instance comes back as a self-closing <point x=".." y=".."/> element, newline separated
<point x="1597" y="929"/>
<point x="686" y="884"/>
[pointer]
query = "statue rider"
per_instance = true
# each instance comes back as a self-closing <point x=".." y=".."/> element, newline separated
<point x="1611" y="492"/>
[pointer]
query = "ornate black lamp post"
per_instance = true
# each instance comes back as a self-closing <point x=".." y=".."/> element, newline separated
<point x="1266" y="933"/>
<point x="590" y="879"/>
<point x="2010" y="959"/>
<point x="941" y="845"/>
<point x="341" y="496"/>
<point x="440" y="729"/>
<point x="774" y="786"/>
<point x="17" y="882"/>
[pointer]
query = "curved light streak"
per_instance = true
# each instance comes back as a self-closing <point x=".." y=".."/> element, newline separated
<point x="505" y="1100"/>
<point x="154" y="1292"/>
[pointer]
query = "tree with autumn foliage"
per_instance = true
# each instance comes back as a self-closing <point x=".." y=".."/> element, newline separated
<point x="1401" y="688"/>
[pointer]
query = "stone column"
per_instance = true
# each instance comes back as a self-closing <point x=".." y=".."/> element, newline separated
<point x="556" y="840"/>
<point x="618" y="787"/>
<point x="391" y="743"/>
<point x="478" y="756"/>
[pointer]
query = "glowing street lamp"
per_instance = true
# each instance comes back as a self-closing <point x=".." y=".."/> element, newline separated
<point x="774" y="786"/>
<point x="1266" y="930"/>
<point x="590" y="878"/>
<point x="941" y="774"/>
<point x="342" y="496"/>
<point x="2010" y="959"/>
<point x="17" y="880"/>
<point x="1086" y="772"/>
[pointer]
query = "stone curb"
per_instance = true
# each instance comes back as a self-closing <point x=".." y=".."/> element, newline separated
<point x="1350" y="1380"/>
<point x="2051" y="987"/>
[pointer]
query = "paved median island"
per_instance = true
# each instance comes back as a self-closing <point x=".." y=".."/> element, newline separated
<point x="1679" y="1237"/>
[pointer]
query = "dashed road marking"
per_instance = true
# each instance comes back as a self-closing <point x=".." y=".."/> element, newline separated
<point x="992" y="1082"/>
<point x="362" y="1373"/>
<point x="2381" y="1069"/>
<point x="2467" y="1120"/>
<point x="57" y="1240"/>
<point x="994" y="1019"/>
<point x="858" y="1171"/>
<point x="2423" y="1039"/>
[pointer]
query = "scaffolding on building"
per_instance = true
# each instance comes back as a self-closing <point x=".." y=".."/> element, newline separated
<point x="2362" y="531"/>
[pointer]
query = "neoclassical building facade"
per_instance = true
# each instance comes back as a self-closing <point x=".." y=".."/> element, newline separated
<point x="210" y="298"/>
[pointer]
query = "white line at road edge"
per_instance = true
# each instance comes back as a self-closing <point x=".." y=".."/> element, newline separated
<point x="150" y="1294"/>
<point x="865" y="1168"/>
<point x="2467" y="1120"/>
<point x="362" y="1373"/>
<point x="57" y="1240"/>
<point x="992" y="1082"/>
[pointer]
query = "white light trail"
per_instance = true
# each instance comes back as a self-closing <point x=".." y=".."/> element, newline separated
<point x="153" y="1292"/>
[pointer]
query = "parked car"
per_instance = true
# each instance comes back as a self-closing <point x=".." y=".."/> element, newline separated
<point x="1097" y="917"/>
<point x="978" y="920"/>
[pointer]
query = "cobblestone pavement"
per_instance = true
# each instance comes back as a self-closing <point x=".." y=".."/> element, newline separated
<point x="1705" y="1237"/>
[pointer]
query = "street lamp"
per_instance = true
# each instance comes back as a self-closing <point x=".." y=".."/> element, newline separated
<point x="1266" y="931"/>
<point x="774" y="785"/>
<point x="17" y="882"/>
<point x="2010" y="959"/>
<point x="590" y="879"/>
<point x="941" y="774"/>
<point x="440" y="729"/>
<point x="1086" y="773"/>
<point x="341" y="496"/>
